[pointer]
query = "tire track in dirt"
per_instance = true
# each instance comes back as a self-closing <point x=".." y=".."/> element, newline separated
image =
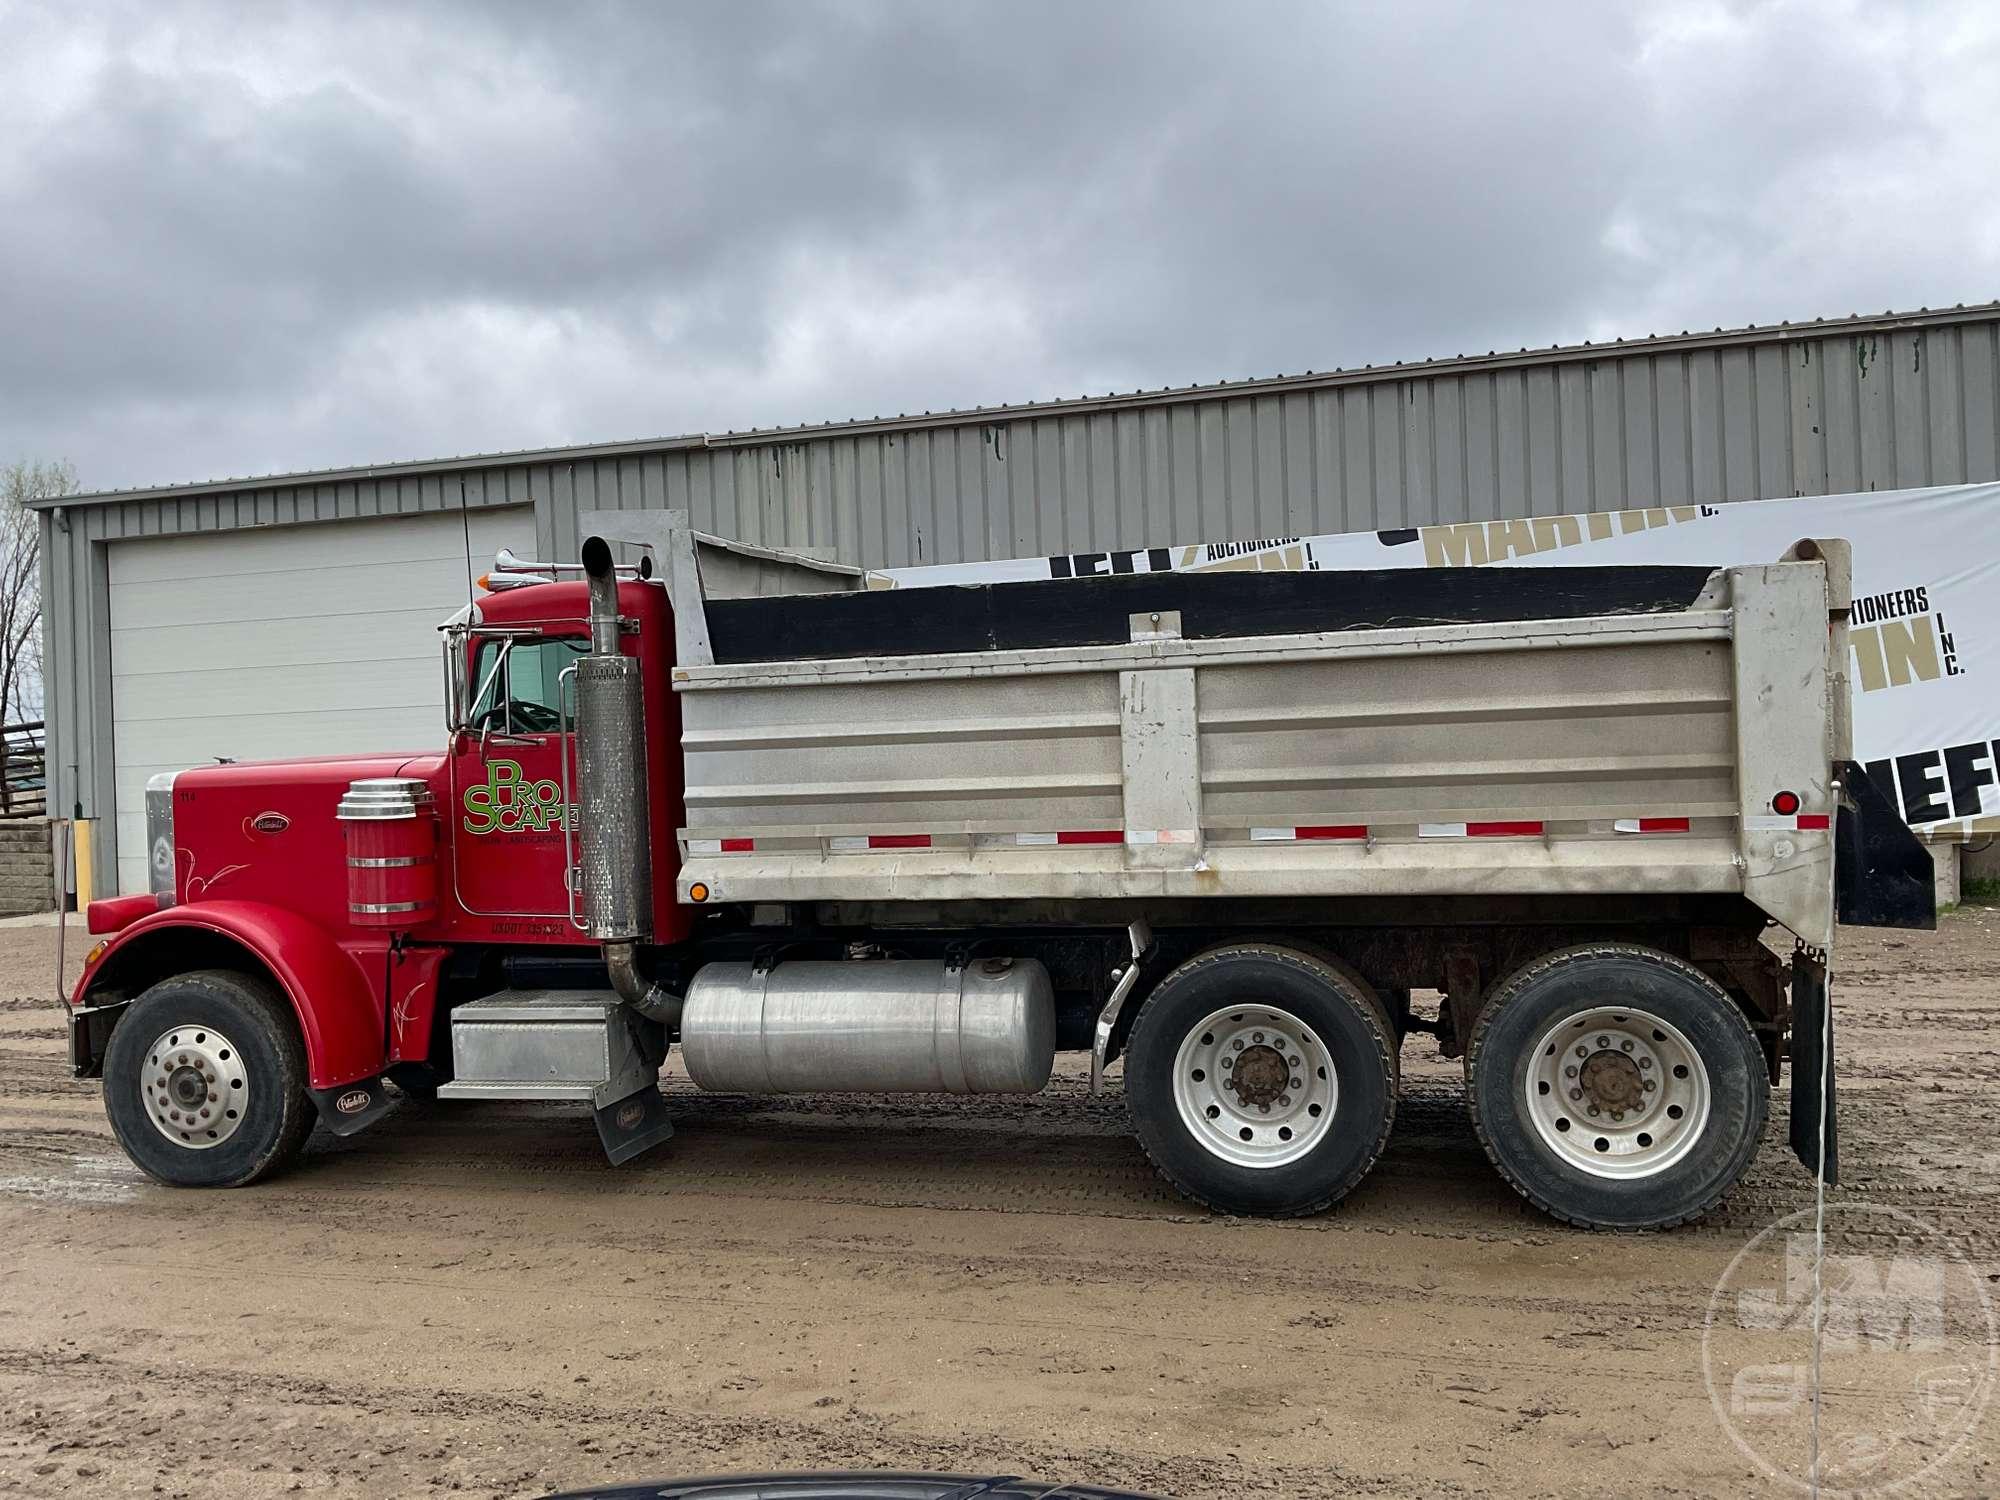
<point x="572" y="1425"/>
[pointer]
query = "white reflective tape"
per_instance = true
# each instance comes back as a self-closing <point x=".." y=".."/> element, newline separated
<point x="1780" y="823"/>
<point x="704" y="846"/>
<point x="1034" y="838"/>
<point x="1627" y="825"/>
<point x="1161" y="836"/>
<point x="1273" y="835"/>
<point x="1440" y="830"/>
<point x="848" y="843"/>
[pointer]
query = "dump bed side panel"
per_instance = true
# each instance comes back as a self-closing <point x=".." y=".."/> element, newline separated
<point x="1626" y="731"/>
<point x="937" y="754"/>
<point x="1591" y="755"/>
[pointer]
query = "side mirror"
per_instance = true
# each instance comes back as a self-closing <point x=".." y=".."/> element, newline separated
<point x="456" y="638"/>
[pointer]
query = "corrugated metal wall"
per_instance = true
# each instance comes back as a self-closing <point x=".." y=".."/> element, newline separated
<point x="1829" y="408"/>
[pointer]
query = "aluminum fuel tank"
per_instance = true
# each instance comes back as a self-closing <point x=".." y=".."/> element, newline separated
<point x="890" y="1026"/>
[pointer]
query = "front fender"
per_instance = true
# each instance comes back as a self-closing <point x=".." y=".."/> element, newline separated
<point x="340" y="1015"/>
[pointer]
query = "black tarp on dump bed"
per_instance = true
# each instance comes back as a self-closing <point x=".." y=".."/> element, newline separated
<point x="1095" y="611"/>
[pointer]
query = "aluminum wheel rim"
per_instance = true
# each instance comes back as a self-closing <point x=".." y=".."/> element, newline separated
<point x="1235" y="1099"/>
<point x="1617" y="1092"/>
<point x="193" y="1087"/>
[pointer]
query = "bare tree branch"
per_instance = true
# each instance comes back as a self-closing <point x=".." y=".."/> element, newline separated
<point x="21" y="582"/>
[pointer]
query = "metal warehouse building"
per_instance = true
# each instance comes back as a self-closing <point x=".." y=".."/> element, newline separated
<point x="293" y="614"/>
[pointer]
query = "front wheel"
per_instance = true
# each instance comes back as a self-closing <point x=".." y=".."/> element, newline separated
<point x="1262" y="1080"/>
<point x="1616" y="1087"/>
<point x="205" y="1081"/>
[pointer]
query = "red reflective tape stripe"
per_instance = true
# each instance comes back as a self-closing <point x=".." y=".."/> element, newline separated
<point x="1332" y="831"/>
<point x="1663" y="825"/>
<point x="1815" y="820"/>
<point x="1091" y="836"/>
<point x="899" y="841"/>
<point x="738" y="846"/>
<point x="1500" y="830"/>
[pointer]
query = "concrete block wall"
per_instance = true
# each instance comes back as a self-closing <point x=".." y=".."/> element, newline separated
<point x="27" y="868"/>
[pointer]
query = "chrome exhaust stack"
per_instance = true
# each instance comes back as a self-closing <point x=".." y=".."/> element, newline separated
<point x="614" y="854"/>
<point x="653" y="1001"/>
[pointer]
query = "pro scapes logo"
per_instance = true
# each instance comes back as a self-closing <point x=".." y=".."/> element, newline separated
<point x="1898" y="639"/>
<point x="508" y="802"/>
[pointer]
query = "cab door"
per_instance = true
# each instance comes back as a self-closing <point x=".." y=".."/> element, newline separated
<point x="508" y="776"/>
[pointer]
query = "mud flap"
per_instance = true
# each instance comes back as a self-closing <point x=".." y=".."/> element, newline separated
<point x="353" y="1107"/>
<point x="1882" y="874"/>
<point x="636" y="1123"/>
<point x="1812" y="1055"/>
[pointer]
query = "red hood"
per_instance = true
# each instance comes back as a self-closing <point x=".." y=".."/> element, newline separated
<point x="268" y="828"/>
<point x="308" y="770"/>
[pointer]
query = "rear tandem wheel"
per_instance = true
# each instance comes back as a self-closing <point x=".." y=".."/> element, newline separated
<point x="1616" y="1087"/>
<point x="1262" y="1079"/>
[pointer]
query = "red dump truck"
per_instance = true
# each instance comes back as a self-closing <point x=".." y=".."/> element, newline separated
<point x="1215" y="828"/>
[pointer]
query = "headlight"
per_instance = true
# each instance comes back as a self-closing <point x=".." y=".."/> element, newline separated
<point x="160" y="859"/>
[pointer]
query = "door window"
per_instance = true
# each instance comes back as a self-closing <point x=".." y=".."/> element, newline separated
<point x="519" y="682"/>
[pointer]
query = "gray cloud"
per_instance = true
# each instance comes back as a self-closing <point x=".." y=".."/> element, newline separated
<point x="244" y="239"/>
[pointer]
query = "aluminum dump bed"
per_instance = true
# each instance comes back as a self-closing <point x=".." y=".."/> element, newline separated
<point x="1449" y="732"/>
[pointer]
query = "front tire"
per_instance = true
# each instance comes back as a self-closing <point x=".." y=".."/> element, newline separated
<point x="205" y="1081"/>
<point x="1262" y="1080"/>
<point x="1616" y="1087"/>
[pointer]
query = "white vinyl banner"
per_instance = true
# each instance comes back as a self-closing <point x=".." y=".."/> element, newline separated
<point x="1926" y="606"/>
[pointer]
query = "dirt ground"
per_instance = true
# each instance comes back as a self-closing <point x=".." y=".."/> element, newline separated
<point x="468" y="1299"/>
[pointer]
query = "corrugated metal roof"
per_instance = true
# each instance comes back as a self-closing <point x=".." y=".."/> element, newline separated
<point x="1752" y="334"/>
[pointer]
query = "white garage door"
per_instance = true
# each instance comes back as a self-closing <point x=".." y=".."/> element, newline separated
<point x="297" y="640"/>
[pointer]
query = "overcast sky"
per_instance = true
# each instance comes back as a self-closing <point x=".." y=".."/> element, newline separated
<point x="244" y="238"/>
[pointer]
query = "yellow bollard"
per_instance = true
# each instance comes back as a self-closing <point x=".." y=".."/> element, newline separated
<point x="86" y="867"/>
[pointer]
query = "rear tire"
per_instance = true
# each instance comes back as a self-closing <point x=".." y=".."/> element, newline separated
<point x="1262" y="1080"/>
<point x="205" y="1081"/>
<point x="1616" y="1087"/>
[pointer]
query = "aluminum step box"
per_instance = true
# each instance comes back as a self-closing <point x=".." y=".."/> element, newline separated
<point x="546" y="1044"/>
